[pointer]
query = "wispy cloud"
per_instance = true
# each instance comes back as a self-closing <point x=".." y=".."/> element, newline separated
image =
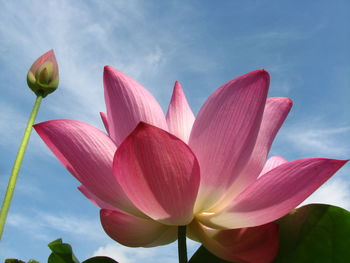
<point x="80" y="94"/>
<point x="41" y="225"/>
<point x="134" y="255"/>
<point x="316" y="138"/>
<point x="12" y="124"/>
<point x="335" y="192"/>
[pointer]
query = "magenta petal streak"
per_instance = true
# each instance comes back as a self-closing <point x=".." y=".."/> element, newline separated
<point x="104" y="121"/>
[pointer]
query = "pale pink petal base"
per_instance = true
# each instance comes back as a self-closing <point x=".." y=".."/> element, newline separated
<point x="159" y="173"/>
<point x="179" y="117"/>
<point x="245" y="245"/>
<point x="275" y="112"/>
<point x="134" y="231"/>
<point x="275" y="194"/>
<point x="272" y="163"/>
<point x="224" y="133"/>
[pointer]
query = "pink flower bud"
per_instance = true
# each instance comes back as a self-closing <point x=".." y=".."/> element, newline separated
<point x="43" y="76"/>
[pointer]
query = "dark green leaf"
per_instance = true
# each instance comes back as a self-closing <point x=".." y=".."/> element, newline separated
<point x="203" y="255"/>
<point x="315" y="233"/>
<point x="100" y="260"/>
<point x="13" y="260"/>
<point x="61" y="252"/>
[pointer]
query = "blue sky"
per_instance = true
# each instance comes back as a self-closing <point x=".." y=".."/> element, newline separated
<point x="303" y="44"/>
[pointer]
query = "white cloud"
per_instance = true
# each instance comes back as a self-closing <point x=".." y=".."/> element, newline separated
<point x="80" y="93"/>
<point x="317" y="139"/>
<point x="135" y="255"/>
<point x="12" y="124"/>
<point x="334" y="192"/>
<point x="160" y="254"/>
<point x="41" y="225"/>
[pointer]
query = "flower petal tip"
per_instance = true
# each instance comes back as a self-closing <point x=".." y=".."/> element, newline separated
<point x="285" y="100"/>
<point x="339" y="163"/>
<point x="108" y="68"/>
<point x="38" y="126"/>
<point x="49" y="54"/>
<point x="110" y="72"/>
<point x="177" y="85"/>
<point x="264" y="74"/>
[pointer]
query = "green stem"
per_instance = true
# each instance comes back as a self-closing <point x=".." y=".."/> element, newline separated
<point x="182" y="248"/>
<point x="17" y="165"/>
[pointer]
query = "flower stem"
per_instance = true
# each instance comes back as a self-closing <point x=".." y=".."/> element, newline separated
<point x="17" y="165"/>
<point x="182" y="247"/>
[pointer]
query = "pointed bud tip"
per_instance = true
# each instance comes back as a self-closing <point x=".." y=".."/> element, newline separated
<point x="263" y="73"/>
<point x="43" y="77"/>
<point x="110" y="72"/>
<point x="108" y="68"/>
<point x="177" y="91"/>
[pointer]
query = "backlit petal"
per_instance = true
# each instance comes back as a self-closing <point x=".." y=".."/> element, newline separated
<point x="127" y="104"/>
<point x="224" y="133"/>
<point x="275" y="112"/>
<point x="272" y="163"/>
<point x="87" y="153"/>
<point x="179" y="117"/>
<point x="275" y="194"/>
<point x="245" y="245"/>
<point x="159" y="174"/>
<point x="133" y="231"/>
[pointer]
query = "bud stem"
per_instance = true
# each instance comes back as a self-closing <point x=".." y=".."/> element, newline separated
<point x="17" y="165"/>
<point x="182" y="247"/>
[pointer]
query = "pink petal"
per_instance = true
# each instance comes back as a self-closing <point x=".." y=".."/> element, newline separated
<point x="272" y="163"/>
<point x="105" y="121"/>
<point x="133" y="231"/>
<point x="94" y="199"/>
<point x="275" y="194"/>
<point x="179" y="117"/>
<point x="275" y="112"/>
<point x="87" y="153"/>
<point x="159" y="174"/>
<point x="224" y="133"/>
<point x="127" y="104"/>
<point x="48" y="56"/>
<point x="168" y="236"/>
<point x="246" y="245"/>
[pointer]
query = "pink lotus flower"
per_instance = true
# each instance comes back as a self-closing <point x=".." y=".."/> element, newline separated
<point x="208" y="172"/>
